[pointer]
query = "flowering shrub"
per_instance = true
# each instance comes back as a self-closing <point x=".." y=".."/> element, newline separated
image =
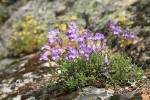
<point x="88" y="59"/>
<point x="120" y="37"/>
<point x="30" y="36"/>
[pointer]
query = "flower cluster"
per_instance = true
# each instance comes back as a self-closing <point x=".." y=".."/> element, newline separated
<point x="116" y="30"/>
<point x="83" y="57"/>
<point x="86" y="44"/>
<point x="29" y="38"/>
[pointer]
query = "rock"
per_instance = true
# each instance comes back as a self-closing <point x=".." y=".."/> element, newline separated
<point x="18" y="97"/>
<point x="144" y="77"/>
<point x="6" y="88"/>
<point x="94" y="93"/>
<point x="23" y="64"/>
<point x="5" y="62"/>
<point x="126" y="88"/>
<point x="46" y="64"/>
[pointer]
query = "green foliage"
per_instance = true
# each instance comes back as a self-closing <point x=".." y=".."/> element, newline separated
<point x="122" y="70"/>
<point x="80" y="73"/>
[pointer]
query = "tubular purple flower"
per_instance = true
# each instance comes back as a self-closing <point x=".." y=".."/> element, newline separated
<point x="87" y="36"/>
<point x="72" y="54"/>
<point x="116" y="30"/>
<point x="81" y="51"/>
<point x="70" y="57"/>
<point x="106" y="60"/>
<point x="44" y="56"/>
<point x="73" y="24"/>
<point x="131" y="35"/>
<point x="98" y="36"/>
<point x="125" y="34"/>
<point x="51" y="40"/>
<point x="55" y="56"/>
<point x="93" y="49"/>
<point x="72" y="34"/>
<point x="54" y="33"/>
<point x="88" y="49"/>
<point x="86" y="57"/>
<point x="61" y="51"/>
<point x="45" y="47"/>
<point x="112" y="24"/>
<point x="81" y="45"/>
<point x="58" y="51"/>
<point x="81" y="38"/>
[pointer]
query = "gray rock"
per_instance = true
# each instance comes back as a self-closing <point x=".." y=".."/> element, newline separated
<point x="93" y="93"/>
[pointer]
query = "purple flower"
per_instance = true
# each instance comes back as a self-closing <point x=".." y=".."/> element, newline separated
<point x="70" y="57"/>
<point x="131" y="35"/>
<point x="72" y="54"/>
<point x="125" y="34"/>
<point x="46" y="47"/>
<point x="44" y="56"/>
<point x="86" y="57"/>
<point x="73" y="51"/>
<point x="93" y="48"/>
<point x="73" y="24"/>
<point x="81" y="45"/>
<point x="116" y="30"/>
<point x="72" y="34"/>
<point x="51" y="39"/>
<point x="87" y="36"/>
<point x="72" y="31"/>
<point x="106" y="60"/>
<point x="81" y="50"/>
<point x="88" y="49"/>
<point x="58" y="51"/>
<point x="60" y="41"/>
<point x="81" y="38"/>
<point x="55" y="56"/>
<point x="54" y="33"/>
<point x="61" y="51"/>
<point x="98" y="36"/>
<point x="112" y="24"/>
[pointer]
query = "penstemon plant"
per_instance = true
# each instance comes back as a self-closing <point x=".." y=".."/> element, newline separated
<point x="85" y="57"/>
